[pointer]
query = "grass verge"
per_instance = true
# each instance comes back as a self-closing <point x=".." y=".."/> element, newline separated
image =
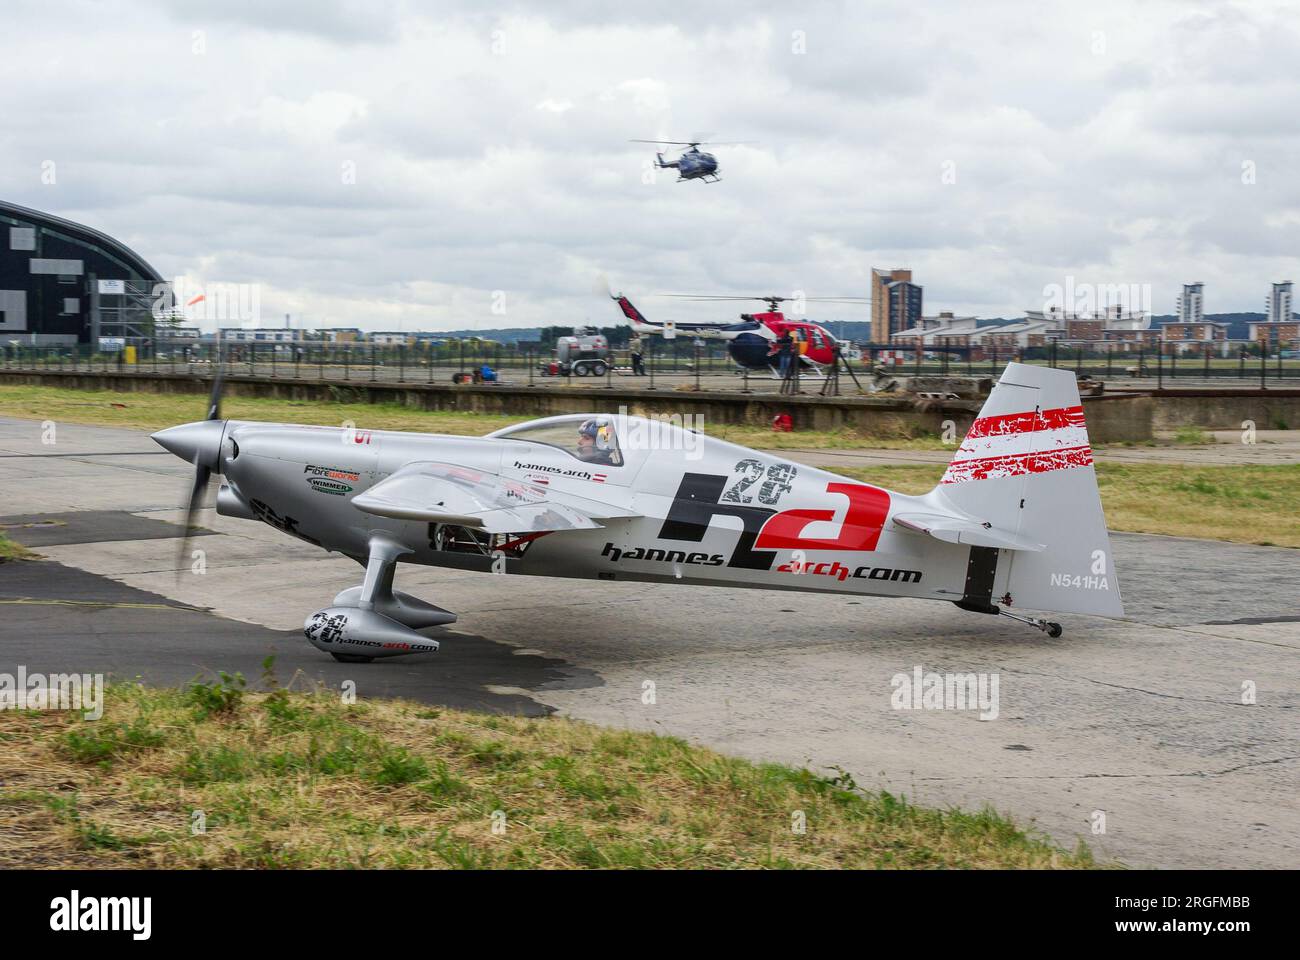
<point x="294" y="779"/>
<point x="1238" y="503"/>
<point x="11" y="549"/>
<point x="152" y="411"/>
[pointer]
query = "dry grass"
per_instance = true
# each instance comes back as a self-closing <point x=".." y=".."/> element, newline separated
<point x="152" y="411"/>
<point x="12" y="550"/>
<point x="301" y="780"/>
<point x="1238" y="503"/>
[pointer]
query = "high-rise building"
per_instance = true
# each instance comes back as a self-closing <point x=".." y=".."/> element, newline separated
<point x="904" y="305"/>
<point x="1191" y="303"/>
<point x="895" y="303"/>
<point x="1279" y="327"/>
<point x="1279" y="303"/>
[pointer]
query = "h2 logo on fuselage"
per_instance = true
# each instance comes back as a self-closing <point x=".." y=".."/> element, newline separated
<point x="703" y="496"/>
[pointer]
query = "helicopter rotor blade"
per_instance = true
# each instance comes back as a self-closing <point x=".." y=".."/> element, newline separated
<point x="778" y="299"/>
<point x="708" y="296"/>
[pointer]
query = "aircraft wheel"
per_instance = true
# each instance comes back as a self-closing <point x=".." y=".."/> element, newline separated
<point x="350" y="658"/>
<point x="1053" y="630"/>
<point x="597" y="369"/>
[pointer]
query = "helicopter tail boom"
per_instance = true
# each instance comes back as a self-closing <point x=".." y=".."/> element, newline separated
<point x="641" y="325"/>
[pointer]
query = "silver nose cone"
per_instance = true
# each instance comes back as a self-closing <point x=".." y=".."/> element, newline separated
<point x="198" y="442"/>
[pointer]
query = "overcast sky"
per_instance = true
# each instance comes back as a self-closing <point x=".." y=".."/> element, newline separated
<point x="393" y="164"/>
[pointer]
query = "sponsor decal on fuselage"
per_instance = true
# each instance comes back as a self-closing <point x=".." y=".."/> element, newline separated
<point x="331" y="480"/>
<point x="559" y="472"/>
<point x="841" y="572"/>
<point x="334" y="473"/>
<point x="657" y="555"/>
<point x="325" y="485"/>
<point x="700" y="498"/>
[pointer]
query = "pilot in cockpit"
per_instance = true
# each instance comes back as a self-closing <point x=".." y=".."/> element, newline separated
<point x="596" y="443"/>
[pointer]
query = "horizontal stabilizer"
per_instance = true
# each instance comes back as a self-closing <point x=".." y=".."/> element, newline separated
<point x="952" y="529"/>
<point x="446" y="493"/>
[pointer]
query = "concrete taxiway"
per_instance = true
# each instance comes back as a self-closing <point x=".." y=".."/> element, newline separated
<point x="1141" y="720"/>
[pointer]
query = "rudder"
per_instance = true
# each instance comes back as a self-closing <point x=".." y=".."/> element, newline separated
<point x="1025" y="467"/>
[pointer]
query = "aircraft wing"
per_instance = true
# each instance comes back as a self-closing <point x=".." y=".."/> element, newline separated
<point x="448" y="493"/>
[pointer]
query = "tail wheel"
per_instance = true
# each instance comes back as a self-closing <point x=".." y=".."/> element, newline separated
<point x="1053" y="630"/>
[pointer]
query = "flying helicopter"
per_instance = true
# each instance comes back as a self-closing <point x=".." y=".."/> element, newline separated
<point x="1015" y="520"/>
<point x="752" y="342"/>
<point x="693" y="164"/>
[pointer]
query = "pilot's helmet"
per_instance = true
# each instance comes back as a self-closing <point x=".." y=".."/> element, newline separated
<point x="600" y="431"/>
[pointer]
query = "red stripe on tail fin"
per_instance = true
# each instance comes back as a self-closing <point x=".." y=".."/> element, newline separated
<point x="1026" y="422"/>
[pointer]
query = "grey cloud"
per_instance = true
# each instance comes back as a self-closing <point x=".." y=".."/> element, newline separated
<point x="478" y="170"/>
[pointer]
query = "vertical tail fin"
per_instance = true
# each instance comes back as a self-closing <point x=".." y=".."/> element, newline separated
<point x="1025" y="467"/>
<point x="639" y="323"/>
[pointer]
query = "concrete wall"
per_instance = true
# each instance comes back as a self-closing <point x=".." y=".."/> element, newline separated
<point x="1223" y="410"/>
<point x="1111" y="419"/>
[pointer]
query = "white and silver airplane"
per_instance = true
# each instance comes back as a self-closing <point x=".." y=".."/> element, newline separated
<point x="1015" y="522"/>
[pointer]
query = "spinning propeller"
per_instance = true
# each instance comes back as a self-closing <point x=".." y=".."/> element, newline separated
<point x="200" y="444"/>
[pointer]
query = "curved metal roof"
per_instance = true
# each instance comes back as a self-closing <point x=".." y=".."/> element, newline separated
<point x="88" y="234"/>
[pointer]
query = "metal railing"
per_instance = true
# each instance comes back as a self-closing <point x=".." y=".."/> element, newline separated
<point x="703" y="365"/>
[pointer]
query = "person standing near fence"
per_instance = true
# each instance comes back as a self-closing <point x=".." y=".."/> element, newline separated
<point x="634" y="348"/>
<point x="785" y="354"/>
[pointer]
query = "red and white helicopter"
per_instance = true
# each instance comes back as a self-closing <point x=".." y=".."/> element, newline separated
<point x="753" y="342"/>
<point x="1016" y="521"/>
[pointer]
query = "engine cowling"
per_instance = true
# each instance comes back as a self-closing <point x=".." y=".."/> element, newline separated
<point x="348" y="632"/>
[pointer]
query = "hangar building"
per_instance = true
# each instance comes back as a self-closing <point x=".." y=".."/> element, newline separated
<point x="66" y="283"/>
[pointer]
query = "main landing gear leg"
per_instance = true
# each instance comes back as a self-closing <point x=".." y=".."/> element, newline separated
<point x="1049" y="627"/>
<point x="376" y="591"/>
<point x="377" y="588"/>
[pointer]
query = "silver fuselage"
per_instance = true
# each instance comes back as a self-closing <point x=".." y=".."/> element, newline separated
<point x="301" y="479"/>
